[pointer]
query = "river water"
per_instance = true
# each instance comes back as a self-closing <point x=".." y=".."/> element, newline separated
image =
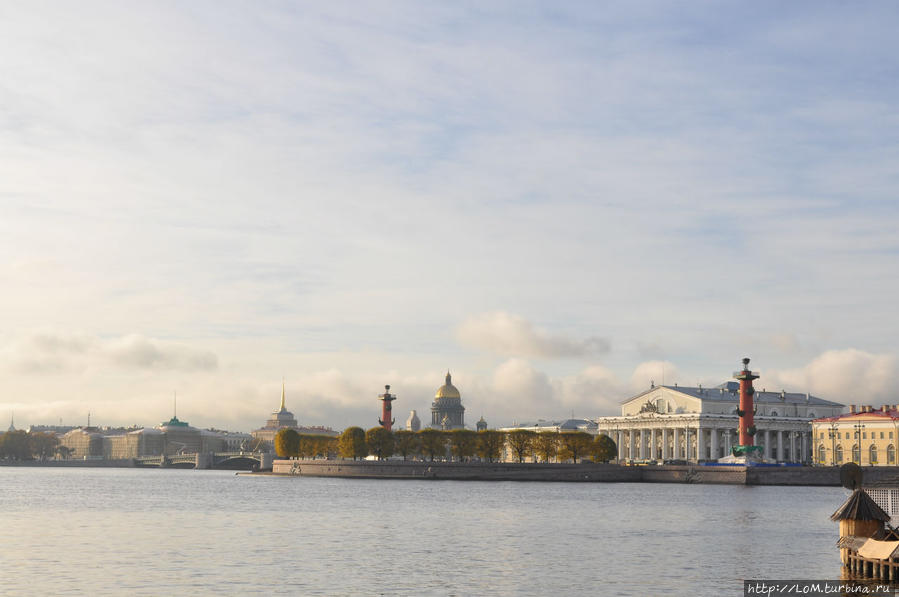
<point x="185" y="532"/>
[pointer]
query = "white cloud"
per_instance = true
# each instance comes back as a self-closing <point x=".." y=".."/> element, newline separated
<point x="50" y="352"/>
<point x="850" y="376"/>
<point x="657" y="372"/>
<point x="511" y="335"/>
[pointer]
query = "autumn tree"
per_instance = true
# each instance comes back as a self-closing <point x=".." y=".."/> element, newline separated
<point x="546" y="445"/>
<point x="463" y="443"/>
<point x="352" y="443"/>
<point x="490" y="444"/>
<point x="406" y="443"/>
<point x="521" y="442"/>
<point x="574" y="445"/>
<point x="379" y="442"/>
<point x="603" y="448"/>
<point x="43" y="445"/>
<point x="15" y="445"/>
<point x="287" y="443"/>
<point x="432" y="443"/>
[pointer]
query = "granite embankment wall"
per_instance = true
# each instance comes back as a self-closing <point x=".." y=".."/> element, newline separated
<point x="610" y="473"/>
<point x="98" y="463"/>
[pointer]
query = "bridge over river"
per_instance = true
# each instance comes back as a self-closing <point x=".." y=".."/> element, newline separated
<point x="210" y="460"/>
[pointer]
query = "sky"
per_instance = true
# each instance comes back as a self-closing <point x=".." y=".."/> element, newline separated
<point x="558" y="204"/>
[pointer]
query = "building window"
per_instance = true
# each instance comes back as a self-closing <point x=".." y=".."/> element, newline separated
<point x="822" y="454"/>
<point x="773" y="413"/>
<point x="891" y="454"/>
<point x="881" y="435"/>
<point x="873" y="454"/>
<point x="839" y="456"/>
<point x="865" y="435"/>
<point x="847" y="435"/>
<point x="856" y="454"/>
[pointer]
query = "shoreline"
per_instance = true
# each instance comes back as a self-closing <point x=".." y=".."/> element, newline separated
<point x="571" y="473"/>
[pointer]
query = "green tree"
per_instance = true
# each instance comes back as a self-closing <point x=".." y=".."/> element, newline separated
<point x="432" y="442"/>
<point x="16" y="445"/>
<point x="574" y="445"/>
<point x="490" y="444"/>
<point x="463" y="443"/>
<point x="43" y="445"/>
<point x="352" y="443"/>
<point x="603" y="448"/>
<point x="546" y="445"/>
<point x="379" y="442"/>
<point x="287" y="443"/>
<point x="521" y="442"/>
<point x="406" y="443"/>
<point x="64" y="451"/>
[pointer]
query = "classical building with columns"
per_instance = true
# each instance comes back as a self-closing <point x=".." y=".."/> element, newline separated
<point x="865" y="435"/>
<point x="700" y="424"/>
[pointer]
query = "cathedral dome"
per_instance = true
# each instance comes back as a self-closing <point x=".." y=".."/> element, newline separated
<point x="448" y="390"/>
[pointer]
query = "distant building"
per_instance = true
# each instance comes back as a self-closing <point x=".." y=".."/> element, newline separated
<point x="864" y="435"/>
<point x="447" y="411"/>
<point x="481" y="424"/>
<point x="700" y="424"/>
<point x="284" y="419"/>
<point x="541" y="425"/>
<point x="413" y="423"/>
<point x="83" y="443"/>
<point x="134" y="444"/>
<point x="54" y="429"/>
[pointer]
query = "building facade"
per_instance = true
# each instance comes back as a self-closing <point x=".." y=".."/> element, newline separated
<point x="700" y="424"/>
<point x="284" y="419"/>
<point x="447" y="411"/>
<point x="865" y="436"/>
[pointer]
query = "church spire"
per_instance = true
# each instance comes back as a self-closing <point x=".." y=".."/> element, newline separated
<point x="449" y="378"/>
<point x="283" y="406"/>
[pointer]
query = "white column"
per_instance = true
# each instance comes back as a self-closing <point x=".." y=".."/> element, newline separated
<point x="780" y="445"/>
<point x="676" y="445"/>
<point x="698" y="443"/>
<point x="630" y="440"/>
<point x="714" y="436"/>
<point x="665" y="452"/>
<point x="620" y="443"/>
<point x="727" y="439"/>
<point x="653" y="450"/>
<point x="768" y="444"/>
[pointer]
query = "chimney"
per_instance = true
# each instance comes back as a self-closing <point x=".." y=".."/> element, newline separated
<point x="851" y="409"/>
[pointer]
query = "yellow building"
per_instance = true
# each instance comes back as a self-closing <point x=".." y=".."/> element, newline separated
<point x="865" y="436"/>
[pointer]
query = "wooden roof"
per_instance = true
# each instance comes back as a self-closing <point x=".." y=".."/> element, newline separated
<point x="860" y="506"/>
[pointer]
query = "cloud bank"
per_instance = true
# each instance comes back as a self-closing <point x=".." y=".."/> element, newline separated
<point x="511" y="335"/>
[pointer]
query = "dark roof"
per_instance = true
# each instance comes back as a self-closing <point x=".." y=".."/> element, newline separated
<point x="729" y="391"/>
<point x="860" y="506"/>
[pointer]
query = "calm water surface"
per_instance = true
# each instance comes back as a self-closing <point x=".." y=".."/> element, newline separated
<point x="183" y="532"/>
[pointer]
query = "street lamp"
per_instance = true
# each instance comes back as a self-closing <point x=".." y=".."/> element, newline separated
<point x="833" y="433"/>
<point x="858" y="440"/>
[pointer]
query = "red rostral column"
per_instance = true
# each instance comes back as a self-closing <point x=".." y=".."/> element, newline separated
<point x="746" y="406"/>
<point x="386" y="421"/>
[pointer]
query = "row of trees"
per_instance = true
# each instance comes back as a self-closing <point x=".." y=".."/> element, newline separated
<point x="461" y="445"/>
<point x="20" y="445"/>
<point x="289" y="443"/>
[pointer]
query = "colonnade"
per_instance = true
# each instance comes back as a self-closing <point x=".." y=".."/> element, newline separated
<point x="705" y="443"/>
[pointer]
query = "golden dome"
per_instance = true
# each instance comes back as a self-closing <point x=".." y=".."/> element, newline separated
<point x="448" y="390"/>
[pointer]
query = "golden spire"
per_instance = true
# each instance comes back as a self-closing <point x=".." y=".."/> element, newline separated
<point x="282" y="395"/>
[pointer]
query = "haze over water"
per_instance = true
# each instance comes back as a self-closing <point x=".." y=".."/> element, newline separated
<point x="176" y="532"/>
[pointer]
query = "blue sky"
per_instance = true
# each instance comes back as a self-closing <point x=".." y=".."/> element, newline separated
<point x="557" y="203"/>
